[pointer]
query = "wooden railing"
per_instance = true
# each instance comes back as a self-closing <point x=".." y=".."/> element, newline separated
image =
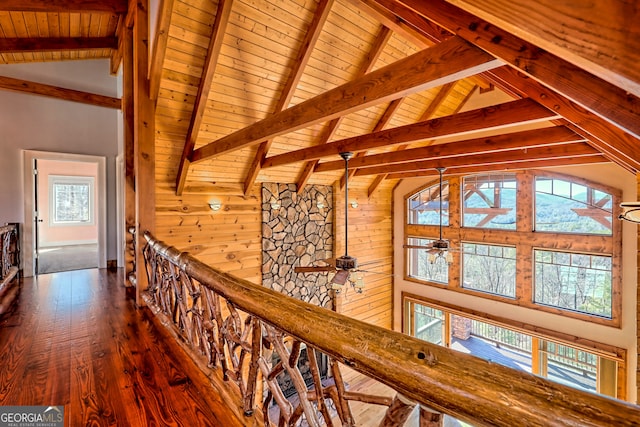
<point x="9" y="265"/>
<point x="237" y="325"/>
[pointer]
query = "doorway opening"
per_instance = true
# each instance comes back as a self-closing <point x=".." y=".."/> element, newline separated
<point x="65" y="213"/>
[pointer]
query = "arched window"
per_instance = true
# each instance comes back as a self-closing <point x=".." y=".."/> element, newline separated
<point x="537" y="239"/>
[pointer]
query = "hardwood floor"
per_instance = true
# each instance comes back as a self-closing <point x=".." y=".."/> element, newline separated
<point x="76" y="339"/>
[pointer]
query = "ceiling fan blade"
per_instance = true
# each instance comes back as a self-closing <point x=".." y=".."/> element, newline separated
<point x="314" y="269"/>
<point x="340" y="277"/>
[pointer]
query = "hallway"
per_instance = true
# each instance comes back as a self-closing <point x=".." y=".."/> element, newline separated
<point x="76" y="339"/>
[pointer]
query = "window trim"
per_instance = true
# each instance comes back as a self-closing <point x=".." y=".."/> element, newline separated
<point x="525" y="239"/>
<point x="604" y="350"/>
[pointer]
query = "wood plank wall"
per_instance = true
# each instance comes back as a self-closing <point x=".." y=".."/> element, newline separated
<point x="370" y="241"/>
<point x="228" y="239"/>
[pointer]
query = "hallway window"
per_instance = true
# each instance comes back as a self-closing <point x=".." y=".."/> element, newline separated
<point x="71" y="200"/>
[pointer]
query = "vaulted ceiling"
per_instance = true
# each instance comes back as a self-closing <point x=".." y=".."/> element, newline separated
<point x="272" y="90"/>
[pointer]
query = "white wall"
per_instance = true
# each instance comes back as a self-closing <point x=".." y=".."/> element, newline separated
<point x="31" y="122"/>
<point x="625" y="337"/>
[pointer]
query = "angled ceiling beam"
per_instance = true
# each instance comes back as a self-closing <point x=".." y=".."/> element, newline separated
<point x="382" y="122"/>
<point x="517" y="165"/>
<point x="24" y="86"/>
<point x="512" y="141"/>
<point x="619" y="146"/>
<point x="298" y="66"/>
<point x="494" y="117"/>
<point x="111" y="6"/>
<point x="558" y="151"/>
<point x="373" y="55"/>
<point x="448" y="61"/>
<point x="604" y="99"/>
<point x="208" y="70"/>
<point x="44" y="44"/>
<point x="596" y="35"/>
<point x="160" y="46"/>
<point x="442" y="94"/>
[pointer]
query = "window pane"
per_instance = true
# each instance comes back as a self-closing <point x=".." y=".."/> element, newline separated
<point x="577" y="282"/>
<point x="421" y="267"/>
<point x="569" y="366"/>
<point x="424" y="207"/>
<point x="567" y="207"/>
<point x="489" y="268"/>
<point x="490" y="201"/>
<point x="429" y="324"/>
<point x="71" y="202"/>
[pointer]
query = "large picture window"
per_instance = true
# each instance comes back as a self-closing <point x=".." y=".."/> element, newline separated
<point x="579" y="282"/>
<point x="71" y="200"/>
<point x="548" y="356"/>
<point x="489" y="201"/>
<point x="537" y="239"/>
<point x="422" y="265"/>
<point x="489" y="268"/>
<point x="569" y="207"/>
<point x="424" y="206"/>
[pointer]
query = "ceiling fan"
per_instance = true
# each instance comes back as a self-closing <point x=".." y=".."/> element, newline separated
<point x="346" y="264"/>
<point x="439" y="248"/>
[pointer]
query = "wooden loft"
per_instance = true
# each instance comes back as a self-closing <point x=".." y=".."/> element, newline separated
<point x="223" y="97"/>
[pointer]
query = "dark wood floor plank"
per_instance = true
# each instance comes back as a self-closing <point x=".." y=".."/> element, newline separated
<point x="76" y="339"/>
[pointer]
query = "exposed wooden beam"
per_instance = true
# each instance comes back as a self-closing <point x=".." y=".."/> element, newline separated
<point x="380" y="125"/>
<point x="208" y="70"/>
<point x="508" y="166"/>
<point x="44" y="44"/>
<point x="604" y="99"/>
<point x="24" y="86"/>
<point x="560" y="151"/>
<point x="111" y="6"/>
<point x="160" y="46"/>
<point x="615" y="142"/>
<point x="449" y="61"/>
<point x="374" y="53"/>
<point x="440" y="97"/>
<point x="595" y="36"/>
<point x="496" y="144"/>
<point x="495" y="117"/>
<point x="298" y="66"/>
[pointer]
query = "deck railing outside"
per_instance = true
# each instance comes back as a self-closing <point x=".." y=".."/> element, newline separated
<point x="237" y="325"/>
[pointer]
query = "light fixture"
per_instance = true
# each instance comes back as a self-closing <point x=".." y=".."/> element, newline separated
<point x="630" y="212"/>
<point x="354" y="204"/>
<point x="320" y="202"/>
<point x="275" y="203"/>
<point x="215" y="205"/>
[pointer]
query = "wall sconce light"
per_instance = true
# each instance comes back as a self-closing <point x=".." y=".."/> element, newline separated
<point x="320" y="202"/>
<point x="215" y="205"/>
<point x="630" y="212"/>
<point x="275" y="203"/>
<point x="354" y="204"/>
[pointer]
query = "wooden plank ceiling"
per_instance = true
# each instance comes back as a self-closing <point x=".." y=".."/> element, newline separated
<point x="252" y="91"/>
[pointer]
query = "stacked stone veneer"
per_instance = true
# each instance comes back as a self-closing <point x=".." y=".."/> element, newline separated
<point x="297" y="234"/>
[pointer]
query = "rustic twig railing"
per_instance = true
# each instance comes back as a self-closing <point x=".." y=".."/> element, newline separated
<point x="237" y="325"/>
<point x="10" y="265"/>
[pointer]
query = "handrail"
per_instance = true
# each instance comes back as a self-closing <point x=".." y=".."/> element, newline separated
<point x="466" y="387"/>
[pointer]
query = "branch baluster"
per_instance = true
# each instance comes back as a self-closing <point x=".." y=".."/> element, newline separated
<point x="237" y="326"/>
